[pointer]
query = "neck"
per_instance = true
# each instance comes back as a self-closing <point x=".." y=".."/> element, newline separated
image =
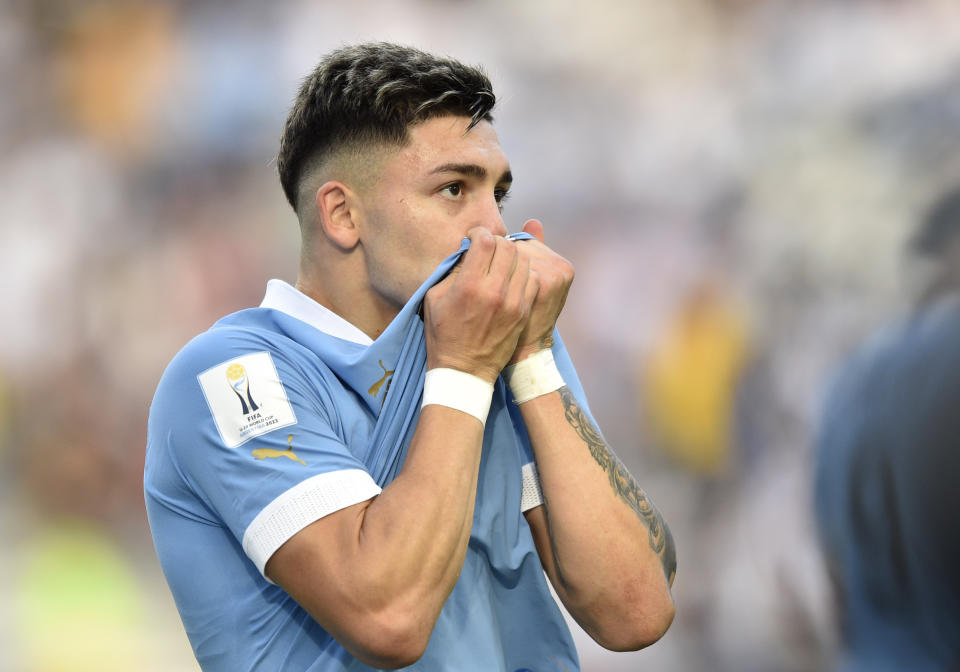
<point x="347" y="295"/>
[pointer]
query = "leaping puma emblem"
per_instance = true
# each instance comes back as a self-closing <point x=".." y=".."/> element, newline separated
<point x="375" y="388"/>
<point x="263" y="453"/>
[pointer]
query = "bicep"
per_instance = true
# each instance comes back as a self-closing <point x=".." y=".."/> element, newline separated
<point x="318" y="567"/>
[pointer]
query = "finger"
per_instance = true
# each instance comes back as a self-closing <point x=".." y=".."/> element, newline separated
<point x="477" y="259"/>
<point x="540" y="255"/>
<point x="532" y="290"/>
<point x="536" y="247"/>
<point x="519" y="280"/>
<point x="535" y="228"/>
<point x="505" y="259"/>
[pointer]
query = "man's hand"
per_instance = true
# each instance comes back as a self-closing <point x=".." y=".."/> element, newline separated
<point x="474" y="317"/>
<point x="552" y="275"/>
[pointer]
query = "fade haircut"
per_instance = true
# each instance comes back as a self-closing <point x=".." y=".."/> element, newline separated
<point x="370" y="94"/>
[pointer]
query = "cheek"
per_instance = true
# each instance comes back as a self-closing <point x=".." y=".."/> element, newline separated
<point x="410" y="243"/>
<point x="400" y="264"/>
<point x="430" y="238"/>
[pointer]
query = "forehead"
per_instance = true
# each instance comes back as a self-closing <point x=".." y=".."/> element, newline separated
<point x="446" y="140"/>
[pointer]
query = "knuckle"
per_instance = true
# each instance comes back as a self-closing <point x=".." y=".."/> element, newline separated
<point x="490" y="296"/>
<point x="433" y="295"/>
<point x="471" y="291"/>
<point x="554" y="282"/>
<point x="485" y="242"/>
<point x="468" y="289"/>
<point x="521" y="309"/>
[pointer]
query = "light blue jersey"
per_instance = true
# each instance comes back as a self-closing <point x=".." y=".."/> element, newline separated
<point x="275" y="418"/>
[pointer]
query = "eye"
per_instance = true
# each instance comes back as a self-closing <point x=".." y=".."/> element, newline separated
<point x="452" y="191"/>
<point x="501" y="196"/>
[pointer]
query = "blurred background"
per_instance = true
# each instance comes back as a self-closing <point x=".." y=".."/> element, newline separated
<point x="733" y="180"/>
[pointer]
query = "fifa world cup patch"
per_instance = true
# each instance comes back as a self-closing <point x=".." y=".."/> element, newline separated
<point x="246" y="398"/>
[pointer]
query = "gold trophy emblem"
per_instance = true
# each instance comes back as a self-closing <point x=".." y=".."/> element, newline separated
<point x="237" y="377"/>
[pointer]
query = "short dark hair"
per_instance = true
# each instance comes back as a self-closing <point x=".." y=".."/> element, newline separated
<point x="372" y="93"/>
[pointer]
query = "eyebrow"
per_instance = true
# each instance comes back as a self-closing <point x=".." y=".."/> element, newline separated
<point x="473" y="170"/>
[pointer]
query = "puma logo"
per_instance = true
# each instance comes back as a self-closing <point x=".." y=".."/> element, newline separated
<point x="264" y="453"/>
<point x="375" y="388"/>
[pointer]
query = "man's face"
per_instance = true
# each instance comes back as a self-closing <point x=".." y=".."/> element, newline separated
<point x="429" y="193"/>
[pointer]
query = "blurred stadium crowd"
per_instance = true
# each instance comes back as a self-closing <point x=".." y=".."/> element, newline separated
<point x="733" y="180"/>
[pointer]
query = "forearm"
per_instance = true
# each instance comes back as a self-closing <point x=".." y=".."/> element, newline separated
<point x="603" y="543"/>
<point x="414" y="534"/>
<point x="376" y="575"/>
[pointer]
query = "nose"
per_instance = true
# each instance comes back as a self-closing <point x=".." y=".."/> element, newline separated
<point x="490" y="217"/>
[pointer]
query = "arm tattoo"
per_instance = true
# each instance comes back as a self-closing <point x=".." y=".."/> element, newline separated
<point x="622" y="483"/>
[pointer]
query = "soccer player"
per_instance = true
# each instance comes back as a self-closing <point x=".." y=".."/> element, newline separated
<point x="373" y="469"/>
<point x="886" y="474"/>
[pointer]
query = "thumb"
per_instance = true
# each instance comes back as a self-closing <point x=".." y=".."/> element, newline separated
<point x="535" y="228"/>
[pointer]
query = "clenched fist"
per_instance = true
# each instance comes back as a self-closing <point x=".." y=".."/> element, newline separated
<point x="552" y="276"/>
<point x="475" y="316"/>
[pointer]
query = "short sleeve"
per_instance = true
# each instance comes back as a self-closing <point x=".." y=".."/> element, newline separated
<point x="247" y="437"/>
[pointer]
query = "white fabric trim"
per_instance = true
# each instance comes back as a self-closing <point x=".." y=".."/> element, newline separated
<point x="290" y="300"/>
<point x="531" y="494"/>
<point x="304" y="503"/>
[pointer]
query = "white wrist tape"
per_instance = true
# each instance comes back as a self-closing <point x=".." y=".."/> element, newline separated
<point x="459" y="390"/>
<point x="533" y="377"/>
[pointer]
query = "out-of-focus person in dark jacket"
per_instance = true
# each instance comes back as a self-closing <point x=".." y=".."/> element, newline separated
<point x="888" y="474"/>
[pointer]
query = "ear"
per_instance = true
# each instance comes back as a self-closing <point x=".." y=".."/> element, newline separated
<point x="336" y="207"/>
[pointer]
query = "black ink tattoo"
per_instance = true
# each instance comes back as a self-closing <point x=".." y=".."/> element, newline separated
<point x="661" y="540"/>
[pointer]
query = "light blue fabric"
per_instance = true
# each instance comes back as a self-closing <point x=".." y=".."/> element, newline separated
<point x="202" y="495"/>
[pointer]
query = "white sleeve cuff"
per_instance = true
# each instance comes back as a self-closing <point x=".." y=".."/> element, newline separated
<point x="304" y="503"/>
<point x="531" y="494"/>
